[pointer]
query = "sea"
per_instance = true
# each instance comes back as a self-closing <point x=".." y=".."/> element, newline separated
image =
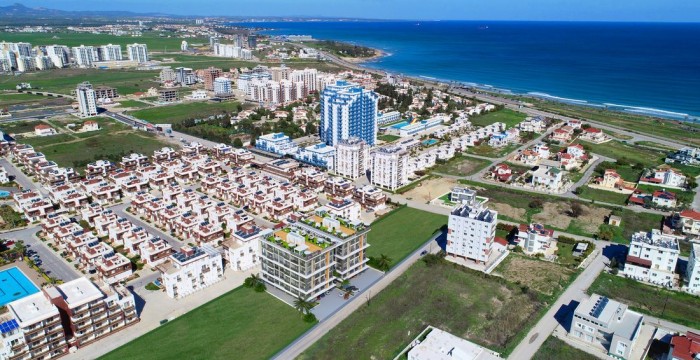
<point x="645" y="68"/>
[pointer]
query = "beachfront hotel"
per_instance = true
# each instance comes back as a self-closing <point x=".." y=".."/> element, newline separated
<point x="307" y="257"/>
<point x="348" y="110"/>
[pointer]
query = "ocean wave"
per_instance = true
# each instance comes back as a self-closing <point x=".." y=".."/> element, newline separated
<point x="645" y="110"/>
<point x="545" y="95"/>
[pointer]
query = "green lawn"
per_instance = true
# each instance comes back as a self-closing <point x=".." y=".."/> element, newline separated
<point x="683" y="197"/>
<point x="484" y="149"/>
<point x="673" y="306"/>
<point x="610" y="197"/>
<point x="461" y="165"/>
<point x="18" y="127"/>
<point x="62" y="81"/>
<point x="635" y="154"/>
<point x="13" y="99"/>
<point x="668" y="129"/>
<point x="628" y="172"/>
<point x="555" y="349"/>
<point x="112" y="141"/>
<point x="655" y="145"/>
<point x="131" y="104"/>
<point x="481" y="308"/>
<point x="403" y="231"/>
<point x="506" y="116"/>
<point x="241" y="323"/>
<point x="171" y="114"/>
<point x="152" y="39"/>
<point x="388" y="137"/>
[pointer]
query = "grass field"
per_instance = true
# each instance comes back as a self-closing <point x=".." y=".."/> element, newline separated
<point x="542" y="276"/>
<point x="240" y="322"/>
<point x="484" y="149"/>
<point x="655" y="145"/>
<point x="112" y="141"/>
<point x="635" y="154"/>
<point x="400" y="233"/>
<point x="683" y="197"/>
<point x="202" y="61"/>
<point x="506" y="116"/>
<point x="150" y="38"/>
<point x="674" y="306"/>
<point x="668" y="129"/>
<point x="555" y="349"/>
<point x="461" y="165"/>
<point x="18" y="127"/>
<point x="484" y="309"/>
<point x="62" y="81"/>
<point x="587" y="192"/>
<point x="131" y="104"/>
<point x="16" y="99"/>
<point x="388" y="137"/>
<point x="176" y="113"/>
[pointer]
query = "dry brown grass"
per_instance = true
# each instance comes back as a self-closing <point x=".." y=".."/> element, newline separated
<point x="539" y="275"/>
<point x="432" y="188"/>
<point x="507" y="210"/>
<point x="554" y="215"/>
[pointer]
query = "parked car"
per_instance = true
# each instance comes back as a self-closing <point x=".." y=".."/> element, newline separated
<point x="424" y="252"/>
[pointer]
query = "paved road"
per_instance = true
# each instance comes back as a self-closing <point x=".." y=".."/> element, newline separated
<point x="121" y="211"/>
<point x="52" y="263"/>
<point x="20" y="178"/>
<point x="314" y="334"/>
<point x="575" y="292"/>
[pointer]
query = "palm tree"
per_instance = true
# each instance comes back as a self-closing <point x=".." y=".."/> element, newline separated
<point x="383" y="263"/>
<point x="252" y="281"/>
<point x="303" y="305"/>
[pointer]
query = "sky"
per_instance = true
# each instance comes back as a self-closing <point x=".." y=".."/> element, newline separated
<point x="536" y="10"/>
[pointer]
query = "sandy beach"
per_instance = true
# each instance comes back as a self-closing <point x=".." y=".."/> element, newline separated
<point x="378" y="54"/>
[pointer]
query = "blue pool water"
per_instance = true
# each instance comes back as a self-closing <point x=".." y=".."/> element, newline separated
<point x="400" y="125"/>
<point x="14" y="285"/>
<point x="429" y="142"/>
<point x="4" y="194"/>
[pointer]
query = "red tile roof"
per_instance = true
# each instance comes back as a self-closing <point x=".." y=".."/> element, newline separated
<point x="688" y="213"/>
<point x="592" y="130"/>
<point x="686" y="347"/>
<point x="42" y="127"/>
<point x="638" y="261"/>
<point x="501" y="241"/>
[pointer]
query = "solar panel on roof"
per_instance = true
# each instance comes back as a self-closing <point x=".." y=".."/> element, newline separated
<point x="8" y="326"/>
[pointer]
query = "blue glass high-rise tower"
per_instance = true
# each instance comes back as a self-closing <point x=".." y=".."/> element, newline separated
<point x="347" y="111"/>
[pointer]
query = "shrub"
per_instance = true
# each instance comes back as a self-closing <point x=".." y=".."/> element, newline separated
<point x="310" y="318"/>
<point x="152" y="287"/>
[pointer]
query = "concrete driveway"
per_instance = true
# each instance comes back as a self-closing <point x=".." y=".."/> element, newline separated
<point x="52" y="263"/>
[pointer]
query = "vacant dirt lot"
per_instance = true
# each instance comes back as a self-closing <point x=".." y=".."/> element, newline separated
<point x="554" y="214"/>
<point x="430" y="189"/>
<point x="592" y="218"/>
<point x="507" y="210"/>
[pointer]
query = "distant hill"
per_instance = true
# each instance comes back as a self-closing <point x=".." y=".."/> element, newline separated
<point x="18" y="10"/>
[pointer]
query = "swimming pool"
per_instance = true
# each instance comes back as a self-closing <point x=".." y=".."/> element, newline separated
<point x="4" y="194"/>
<point x="14" y="285"/>
<point x="429" y="142"/>
<point x="399" y="125"/>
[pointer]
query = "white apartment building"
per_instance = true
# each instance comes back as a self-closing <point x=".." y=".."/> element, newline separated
<point x="352" y="158"/>
<point x="59" y="55"/>
<point x="191" y="269"/>
<point x="692" y="273"/>
<point x="3" y="176"/>
<point x="84" y="56"/>
<point x="223" y="85"/>
<point x="471" y="231"/>
<point x="110" y="53"/>
<point x="87" y="100"/>
<point x="31" y="329"/>
<point x="137" y="53"/>
<point x="308" y="77"/>
<point x="389" y="168"/>
<point x="652" y="258"/>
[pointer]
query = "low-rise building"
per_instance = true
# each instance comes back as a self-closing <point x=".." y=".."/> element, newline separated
<point x="692" y="271"/>
<point x="307" y="265"/>
<point x="242" y="250"/>
<point x="548" y="177"/>
<point x="684" y="347"/>
<point x="666" y="176"/>
<point x="606" y="322"/>
<point x="191" y="269"/>
<point x="534" y="238"/>
<point x="689" y="222"/>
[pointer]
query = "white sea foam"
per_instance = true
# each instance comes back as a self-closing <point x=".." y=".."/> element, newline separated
<point x="545" y="95"/>
<point x="647" y="110"/>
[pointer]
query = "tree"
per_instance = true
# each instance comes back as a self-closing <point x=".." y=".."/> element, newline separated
<point x="576" y="210"/>
<point x="383" y="262"/>
<point x="237" y="143"/>
<point x="536" y="203"/>
<point x="303" y="305"/>
<point x="255" y="282"/>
